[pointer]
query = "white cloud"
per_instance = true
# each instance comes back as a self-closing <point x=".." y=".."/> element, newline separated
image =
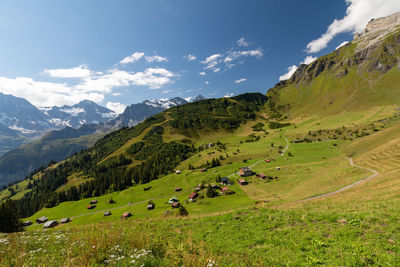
<point x="228" y="95"/>
<point x="166" y="91"/>
<point x="203" y="73"/>
<point x="235" y="55"/>
<point x="242" y="42"/>
<point x="94" y="87"/>
<point x="240" y="80"/>
<point x="116" y="107"/>
<point x="116" y="94"/>
<point x="207" y="82"/>
<point x="358" y="13"/>
<point x="308" y="60"/>
<point x="342" y="44"/>
<point x="293" y="68"/>
<point x="190" y="57"/>
<point x="132" y="58"/>
<point x="78" y="72"/>
<point x="156" y="58"/>
<point x="46" y="93"/>
<point x="212" y="61"/>
<point x="289" y="74"/>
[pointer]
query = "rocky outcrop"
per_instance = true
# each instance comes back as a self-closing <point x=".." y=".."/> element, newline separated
<point x="375" y="30"/>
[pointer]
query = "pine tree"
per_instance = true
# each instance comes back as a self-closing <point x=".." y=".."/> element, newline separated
<point x="9" y="220"/>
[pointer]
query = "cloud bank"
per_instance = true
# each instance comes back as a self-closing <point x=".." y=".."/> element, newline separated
<point x="358" y="13"/>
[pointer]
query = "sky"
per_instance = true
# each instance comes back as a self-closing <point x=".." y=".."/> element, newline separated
<point x="121" y="52"/>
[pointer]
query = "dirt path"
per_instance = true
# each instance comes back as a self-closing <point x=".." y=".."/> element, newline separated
<point x="375" y="173"/>
<point x="133" y="204"/>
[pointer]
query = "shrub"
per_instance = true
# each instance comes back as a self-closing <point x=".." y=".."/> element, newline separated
<point x="183" y="211"/>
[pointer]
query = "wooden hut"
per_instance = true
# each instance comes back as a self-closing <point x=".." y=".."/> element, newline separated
<point x="126" y="214"/>
<point x="41" y="220"/>
<point x="224" y="180"/>
<point x="65" y="220"/>
<point x="193" y="196"/>
<point x="175" y="205"/>
<point x="150" y="206"/>
<point x="242" y="182"/>
<point x="107" y="213"/>
<point x="178" y="189"/>
<point x="245" y="171"/>
<point x="50" y="224"/>
<point x="93" y="202"/>
<point x="90" y="207"/>
<point x="173" y="200"/>
<point x="261" y="176"/>
<point x="27" y="223"/>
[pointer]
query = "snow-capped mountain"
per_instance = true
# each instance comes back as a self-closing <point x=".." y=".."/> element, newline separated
<point x="85" y="112"/>
<point x="19" y="115"/>
<point x="21" y="122"/>
<point x="136" y="113"/>
<point x="165" y="103"/>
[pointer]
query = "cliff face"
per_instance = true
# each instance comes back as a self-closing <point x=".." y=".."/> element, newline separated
<point x="375" y="30"/>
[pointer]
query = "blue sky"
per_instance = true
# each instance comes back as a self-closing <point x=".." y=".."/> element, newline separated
<point x="122" y="52"/>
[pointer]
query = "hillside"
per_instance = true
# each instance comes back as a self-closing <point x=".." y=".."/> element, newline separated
<point x="356" y="77"/>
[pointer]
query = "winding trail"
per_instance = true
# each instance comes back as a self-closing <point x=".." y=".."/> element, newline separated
<point x="375" y="173"/>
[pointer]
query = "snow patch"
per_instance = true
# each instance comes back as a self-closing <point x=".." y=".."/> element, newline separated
<point x="74" y="111"/>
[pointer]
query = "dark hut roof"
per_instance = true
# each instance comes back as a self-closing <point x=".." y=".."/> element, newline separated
<point x="193" y="195"/>
<point x="127" y="214"/>
<point x="65" y="220"/>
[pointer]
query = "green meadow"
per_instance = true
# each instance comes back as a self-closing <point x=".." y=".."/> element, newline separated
<point x="266" y="222"/>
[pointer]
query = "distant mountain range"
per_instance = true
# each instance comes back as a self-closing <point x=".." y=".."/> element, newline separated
<point x="63" y="130"/>
<point x="85" y="112"/>
<point x="136" y="113"/>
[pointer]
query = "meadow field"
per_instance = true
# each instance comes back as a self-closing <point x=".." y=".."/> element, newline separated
<point x="266" y="222"/>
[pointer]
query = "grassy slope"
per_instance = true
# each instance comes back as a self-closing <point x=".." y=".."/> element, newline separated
<point x="356" y="227"/>
<point x="314" y="169"/>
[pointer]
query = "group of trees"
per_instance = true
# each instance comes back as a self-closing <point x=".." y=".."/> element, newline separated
<point x="215" y="114"/>
<point x="9" y="220"/>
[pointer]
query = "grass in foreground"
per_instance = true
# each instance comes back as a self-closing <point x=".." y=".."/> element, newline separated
<point x="256" y="237"/>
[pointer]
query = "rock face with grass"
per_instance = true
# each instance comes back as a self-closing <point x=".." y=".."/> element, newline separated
<point x="361" y="74"/>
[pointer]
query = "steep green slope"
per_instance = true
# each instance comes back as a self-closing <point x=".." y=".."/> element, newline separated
<point x="351" y="78"/>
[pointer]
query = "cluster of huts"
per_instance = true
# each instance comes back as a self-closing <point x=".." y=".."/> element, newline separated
<point x="46" y="223"/>
<point x="174" y="201"/>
